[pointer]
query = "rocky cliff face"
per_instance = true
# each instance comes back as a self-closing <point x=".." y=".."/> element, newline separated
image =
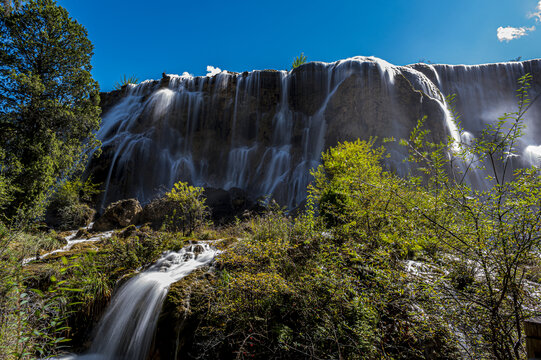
<point x="263" y="131"/>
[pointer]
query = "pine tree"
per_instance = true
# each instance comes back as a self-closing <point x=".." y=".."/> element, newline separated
<point x="49" y="103"/>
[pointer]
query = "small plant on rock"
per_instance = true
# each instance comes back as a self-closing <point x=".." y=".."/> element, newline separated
<point x="299" y="60"/>
<point x="125" y="80"/>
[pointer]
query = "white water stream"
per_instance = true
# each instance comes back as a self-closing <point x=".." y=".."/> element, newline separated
<point x="72" y="240"/>
<point x="126" y="330"/>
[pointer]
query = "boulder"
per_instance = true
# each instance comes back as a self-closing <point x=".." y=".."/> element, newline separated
<point x="118" y="215"/>
<point x="155" y="213"/>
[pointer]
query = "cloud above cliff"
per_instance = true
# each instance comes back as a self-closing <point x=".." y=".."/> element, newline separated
<point x="509" y="33"/>
<point x="537" y="13"/>
<point x="211" y="70"/>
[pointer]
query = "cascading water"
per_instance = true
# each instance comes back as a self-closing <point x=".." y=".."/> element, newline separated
<point x="72" y="240"/>
<point x="126" y="330"/>
<point x="262" y="131"/>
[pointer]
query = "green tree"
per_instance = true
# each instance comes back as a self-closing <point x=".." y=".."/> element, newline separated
<point x="8" y="5"/>
<point x="49" y="103"/>
<point x="187" y="207"/>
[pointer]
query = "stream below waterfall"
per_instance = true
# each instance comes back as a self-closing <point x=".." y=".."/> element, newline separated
<point x="127" y="329"/>
<point x="72" y="240"/>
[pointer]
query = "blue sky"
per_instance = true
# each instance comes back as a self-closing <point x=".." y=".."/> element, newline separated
<point x="146" y="38"/>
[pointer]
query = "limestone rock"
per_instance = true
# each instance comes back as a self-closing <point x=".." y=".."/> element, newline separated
<point x="117" y="215"/>
<point x="155" y="213"/>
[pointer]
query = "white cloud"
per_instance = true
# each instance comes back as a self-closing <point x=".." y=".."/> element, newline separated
<point x="211" y="70"/>
<point x="509" y="33"/>
<point x="537" y="14"/>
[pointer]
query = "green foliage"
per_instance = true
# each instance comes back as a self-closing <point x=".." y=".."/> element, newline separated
<point x="48" y="104"/>
<point x="125" y="80"/>
<point x="298" y="61"/>
<point x="6" y="189"/>
<point x="68" y="206"/>
<point x="294" y="288"/>
<point x="32" y="321"/>
<point x="8" y="5"/>
<point x="492" y="235"/>
<point x="189" y="211"/>
<point x="357" y="201"/>
<point x="136" y="251"/>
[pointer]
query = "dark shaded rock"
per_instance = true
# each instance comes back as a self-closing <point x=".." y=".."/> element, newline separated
<point x="246" y="130"/>
<point x="109" y="99"/>
<point x="164" y="82"/>
<point x="198" y="249"/>
<point x="117" y="215"/>
<point x="156" y="213"/>
<point x="225" y="205"/>
<point x="307" y="88"/>
<point x="177" y="322"/>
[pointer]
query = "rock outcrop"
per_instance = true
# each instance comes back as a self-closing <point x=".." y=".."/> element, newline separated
<point x="118" y="215"/>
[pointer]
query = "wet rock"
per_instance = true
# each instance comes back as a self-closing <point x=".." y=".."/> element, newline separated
<point x="179" y="316"/>
<point x="117" y="215"/>
<point x="198" y="249"/>
<point x="263" y="131"/>
<point x="83" y="233"/>
<point x="109" y="99"/>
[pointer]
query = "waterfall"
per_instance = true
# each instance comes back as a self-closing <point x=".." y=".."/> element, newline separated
<point x="126" y="330"/>
<point x="262" y="131"/>
<point x="486" y="92"/>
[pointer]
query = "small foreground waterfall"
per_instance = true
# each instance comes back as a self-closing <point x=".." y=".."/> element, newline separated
<point x="126" y="330"/>
<point x="262" y="131"/>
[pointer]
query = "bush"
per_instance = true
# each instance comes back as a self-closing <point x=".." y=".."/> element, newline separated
<point x="75" y="216"/>
<point x="67" y="209"/>
<point x="188" y="209"/>
<point x="491" y="235"/>
<point x="290" y="289"/>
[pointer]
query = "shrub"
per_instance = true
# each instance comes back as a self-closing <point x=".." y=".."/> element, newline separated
<point x="492" y="235"/>
<point x="67" y="209"/>
<point x="188" y="208"/>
